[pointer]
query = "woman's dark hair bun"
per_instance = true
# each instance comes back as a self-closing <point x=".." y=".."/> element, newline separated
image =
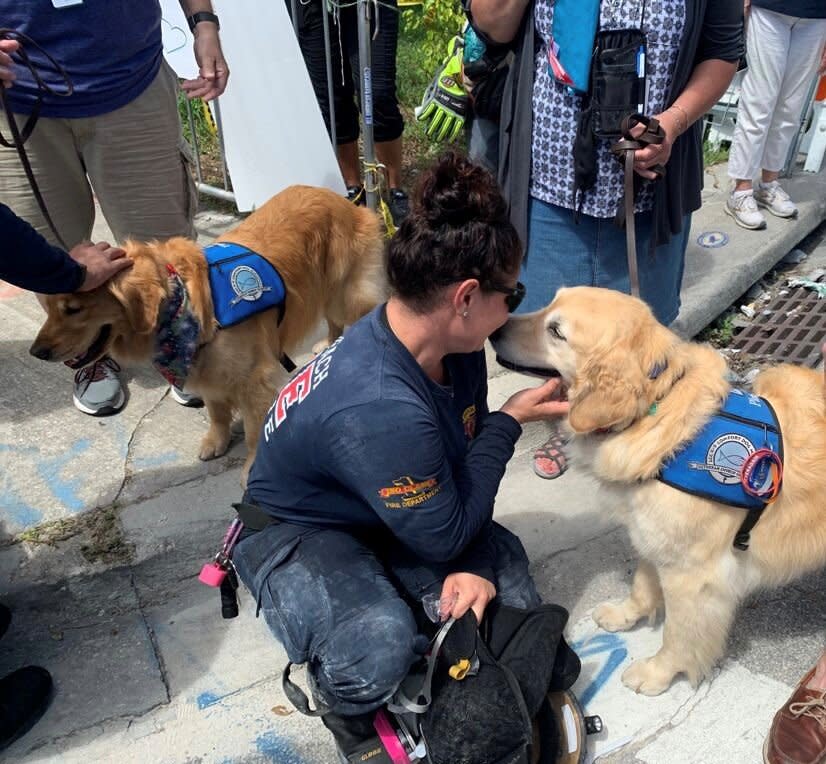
<point x="455" y="191"/>
<point x="457" y="229"/>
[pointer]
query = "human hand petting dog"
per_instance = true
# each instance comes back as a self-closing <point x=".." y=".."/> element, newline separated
<point x="101" y="260"/>
<point x="536" y="403"/>
<point x="471" y="592"/>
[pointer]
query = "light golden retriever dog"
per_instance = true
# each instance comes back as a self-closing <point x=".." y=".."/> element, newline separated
<point x="329" y="253"/>
<point x="605" y="346"/>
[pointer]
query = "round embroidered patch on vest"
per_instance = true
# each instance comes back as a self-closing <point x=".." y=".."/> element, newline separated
<point x="725" y="457"/>
<point x="246" y="283"/>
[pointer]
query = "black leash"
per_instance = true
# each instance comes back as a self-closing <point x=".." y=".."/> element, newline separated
<point x="19" y="137"/>
<point x="624" y="150"/>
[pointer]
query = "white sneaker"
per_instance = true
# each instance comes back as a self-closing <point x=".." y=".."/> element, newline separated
<point x="743" y="208"/>
<point x="775" y="200"/>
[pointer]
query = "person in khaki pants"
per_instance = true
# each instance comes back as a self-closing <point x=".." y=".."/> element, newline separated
<point x="117" y="136"/>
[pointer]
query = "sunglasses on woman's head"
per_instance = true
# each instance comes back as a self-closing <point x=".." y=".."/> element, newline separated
<point x="513" y="295"/>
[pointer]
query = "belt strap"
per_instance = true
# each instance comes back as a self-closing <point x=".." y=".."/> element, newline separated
<point x="253" y="517"/>
<point x="624" y="150"/>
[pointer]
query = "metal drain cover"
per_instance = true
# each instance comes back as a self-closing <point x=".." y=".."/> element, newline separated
<point x="789" y="329"/>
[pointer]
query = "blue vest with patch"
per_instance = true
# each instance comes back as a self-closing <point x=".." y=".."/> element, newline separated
<point x="242" y="282"/>
<point x="711" y="465"/>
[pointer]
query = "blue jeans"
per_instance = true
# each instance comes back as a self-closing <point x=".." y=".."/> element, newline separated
<point x="592" y="253"/>
<point x="338" y="604"/>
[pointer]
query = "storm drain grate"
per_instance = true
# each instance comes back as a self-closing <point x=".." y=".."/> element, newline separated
<point x="790" y="329"/>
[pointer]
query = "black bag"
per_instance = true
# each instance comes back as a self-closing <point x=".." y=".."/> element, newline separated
<point x="487" y="717"/>
<point x="617" y="79"/>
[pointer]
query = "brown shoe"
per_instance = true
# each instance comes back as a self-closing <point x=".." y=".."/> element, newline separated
<point x="798" y="732"/>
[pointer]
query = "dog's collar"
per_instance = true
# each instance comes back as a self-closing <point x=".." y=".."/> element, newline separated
<point x="176" y="340"/>
<point x="657" y="369"/>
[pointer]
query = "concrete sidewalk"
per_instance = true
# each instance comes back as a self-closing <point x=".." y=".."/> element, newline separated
<point x="146" y="669"/>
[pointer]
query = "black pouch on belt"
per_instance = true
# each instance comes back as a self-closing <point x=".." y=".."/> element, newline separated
<point x="618" y="79"/>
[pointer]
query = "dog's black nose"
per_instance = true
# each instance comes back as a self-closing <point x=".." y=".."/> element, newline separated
<point x="41" y="351"/>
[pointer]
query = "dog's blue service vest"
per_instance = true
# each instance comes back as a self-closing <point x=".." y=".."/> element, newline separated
<point x="242" y="282"/>
<point x="711" y="466"/>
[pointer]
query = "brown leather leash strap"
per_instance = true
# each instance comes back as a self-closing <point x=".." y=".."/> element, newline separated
<point x="19" y="137"/>
<point x="624" y="150"/>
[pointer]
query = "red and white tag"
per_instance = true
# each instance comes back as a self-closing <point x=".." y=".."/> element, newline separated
<point x="555" y="68"/>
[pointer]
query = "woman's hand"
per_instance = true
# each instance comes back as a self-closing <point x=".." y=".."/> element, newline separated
<point x="543" y="402"/>
<point x="656" y="153"/>
<point x="472" y="592"/>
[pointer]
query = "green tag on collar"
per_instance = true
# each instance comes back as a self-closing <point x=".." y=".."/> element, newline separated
<point x="652" y="409"/>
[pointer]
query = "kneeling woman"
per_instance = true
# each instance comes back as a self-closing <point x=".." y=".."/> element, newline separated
<point x="379" y="462"/>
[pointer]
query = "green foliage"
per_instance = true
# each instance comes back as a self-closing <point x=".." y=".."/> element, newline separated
<point x="206" y="138"/>
<point x="422" y="47"/>
<point x="714" y="155"/>
<point x="433" y="24"/>
<point x="721" y="332"/>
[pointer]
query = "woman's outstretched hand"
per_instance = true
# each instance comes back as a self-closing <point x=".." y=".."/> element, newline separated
<point x="544" y="402"/>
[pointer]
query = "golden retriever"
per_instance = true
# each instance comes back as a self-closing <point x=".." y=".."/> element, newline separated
<point x="605" y="344"/>
<point x="329" y="253"/>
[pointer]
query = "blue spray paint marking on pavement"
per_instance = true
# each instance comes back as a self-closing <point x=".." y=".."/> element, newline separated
<point x="19" y="449"/>
<point x="14" y="507"/>
<point x="160" y="460"/>
<point x="277" y="749"/>
<point x="64" y="490"/>
<point x="614" y="646"/>
<point x="20" y="513"/>
<point x="207" y="699"/>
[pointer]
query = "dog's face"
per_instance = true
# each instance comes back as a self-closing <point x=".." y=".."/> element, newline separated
<point x="607" y="347"/>
<point x="84" y="326"/>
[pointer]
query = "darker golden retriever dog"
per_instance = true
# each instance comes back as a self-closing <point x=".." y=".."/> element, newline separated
<point x="638" y="394"/>
<point x="329" y="253"/>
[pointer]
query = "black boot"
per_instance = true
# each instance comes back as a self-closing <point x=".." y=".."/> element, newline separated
<point x="356" y="738"/>
<point x="24" y="698"/>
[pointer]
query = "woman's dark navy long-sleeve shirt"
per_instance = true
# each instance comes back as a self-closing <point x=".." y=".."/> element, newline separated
<point x="28" y="261"/>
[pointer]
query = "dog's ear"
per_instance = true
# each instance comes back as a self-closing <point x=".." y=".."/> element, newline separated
<point x="608" y="392"/>
<point x="618" y="385"/>
<point x="140" y="291"/>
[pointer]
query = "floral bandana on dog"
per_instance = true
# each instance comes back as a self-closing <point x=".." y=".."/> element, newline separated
<point x="176" y="342"/>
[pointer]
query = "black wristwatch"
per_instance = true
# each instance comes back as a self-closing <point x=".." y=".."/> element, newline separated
<point x="202" y="16"/>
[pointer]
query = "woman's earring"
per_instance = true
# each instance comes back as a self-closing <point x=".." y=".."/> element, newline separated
<point x="465" y="314"/>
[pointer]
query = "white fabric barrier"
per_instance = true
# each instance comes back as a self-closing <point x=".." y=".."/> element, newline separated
<point x="274" y="134"/>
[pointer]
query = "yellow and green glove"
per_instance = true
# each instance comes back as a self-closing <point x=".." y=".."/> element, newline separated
<point x="445" y="103"/>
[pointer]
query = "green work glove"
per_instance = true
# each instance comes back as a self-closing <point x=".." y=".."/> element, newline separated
<point x="445" y="102"/>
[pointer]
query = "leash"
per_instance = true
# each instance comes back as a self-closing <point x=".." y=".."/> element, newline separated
<point x="19" y="137"/>
<point x="624" y="150"/>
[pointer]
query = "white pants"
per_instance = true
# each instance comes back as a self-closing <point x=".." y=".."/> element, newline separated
<point x="783" y="55"/>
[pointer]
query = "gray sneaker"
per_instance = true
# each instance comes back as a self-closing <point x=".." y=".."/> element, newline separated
<point x="185" y="399"/>
<point x="98" y="390"/>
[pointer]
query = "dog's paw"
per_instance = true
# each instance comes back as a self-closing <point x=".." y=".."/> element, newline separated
<point x="213" y="446"/>
<point x="320" y="346"/>
<point x="613" y="617"/>
<point x="648" y="677"/>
